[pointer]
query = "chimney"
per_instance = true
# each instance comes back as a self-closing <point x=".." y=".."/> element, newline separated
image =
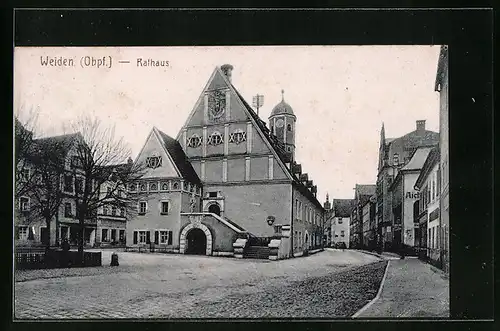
<point x="227" y="69"/>
<point x="421" y="125"/>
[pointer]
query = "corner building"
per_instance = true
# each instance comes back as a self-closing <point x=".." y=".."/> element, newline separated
<point x="249" y="183"/>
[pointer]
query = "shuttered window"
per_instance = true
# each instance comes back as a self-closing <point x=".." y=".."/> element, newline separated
<point x="157" y="235"/>
<point x="135" y="237"/>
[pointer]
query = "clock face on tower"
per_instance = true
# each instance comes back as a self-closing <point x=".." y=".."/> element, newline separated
<point x="280" y="123"/>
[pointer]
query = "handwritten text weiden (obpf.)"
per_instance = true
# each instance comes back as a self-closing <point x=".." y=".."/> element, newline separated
<point x="98" y="62"/>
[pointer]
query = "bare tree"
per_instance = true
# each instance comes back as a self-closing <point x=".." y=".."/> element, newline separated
<point x="46" y="161"/>
<point x="100" y="173"/>
<point x="24" y="135"/>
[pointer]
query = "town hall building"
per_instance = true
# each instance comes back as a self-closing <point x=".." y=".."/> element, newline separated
<point x="228" y="183"/>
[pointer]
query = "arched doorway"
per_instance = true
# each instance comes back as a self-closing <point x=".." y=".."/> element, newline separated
<point x="196" y="241"/>
<point x="214" y="208"/>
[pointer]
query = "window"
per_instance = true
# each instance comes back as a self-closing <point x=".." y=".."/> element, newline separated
<point x="164" y="187"/>
<point x="122" y="211"/>
<point x="237" y="136"/>
<point x="212" y="194"/>
<point x="336" y="235"/>
<point x="108" y="191"/>
<point x="342" y="233"/>
<point x="153" y="187"/>
<point x="113" y="234"/>
<point x="23" y="232"/>
<point x="67" y="210"/>
<point x="104" y="236"/>
<point x="105" y="210"/>
<point x="176" y="186"/>
<point x="113" y="210"/>
<point x="395" y="159"/>
<point x="277" y="229"/>
<point x="24" y="203"/>
<point x="132" y="187"/>
<point x="75" y="161"/>
<point x="194" y="141"/>
<point x="143" y="187"/>
<point x="142" y="207"/>
<point x="164" y="207"/>
<point x="141" y="237"/>
<point x="215" y="139"/>
<point x="153" y="162"/>
<point x="68" y="183"/>
<point x="79" y="185"/>
<point x="289" y="127"/>
<point x="163" y="237"/>
<point x="339" y="220"/>
<point x="122" y="235"/>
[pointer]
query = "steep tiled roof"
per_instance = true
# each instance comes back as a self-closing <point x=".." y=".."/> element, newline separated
<point x="180" y="159"/>
<point x="418" y="159"/>
<point x="64" y="142"/>
<point x="365" y="189"/>
<point x="343" y="207"/>
<point x="431" y="160"/>
<point x="280" y="150"/>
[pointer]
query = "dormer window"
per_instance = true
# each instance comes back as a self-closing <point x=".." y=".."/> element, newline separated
<point x="395" y="159"/>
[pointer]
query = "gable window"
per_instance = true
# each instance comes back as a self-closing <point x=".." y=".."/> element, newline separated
<point x="194" y="141"/>
<point x="339" y="220"/>
<point x="142" y="207"/>
<point x="24" y="203"/>
<point x="164" y="187"/>
<point x="176" y="186"/>
<point x="67" y="210"/>
<point x="215" y="139"/>
<point x="153" y="187"/>
<point x="238" y="136"/>
<point x="108" y="191"/>
<point x="68" y="183"/>
<point x="122" y="211"/>
<point x="113" y="210"/>
<point x="143" y="187"/>
<point x="164" y="207"/>
<point x="105" y="210"/>
<point x="342" y="233"/>
<point x="153" y="162"/>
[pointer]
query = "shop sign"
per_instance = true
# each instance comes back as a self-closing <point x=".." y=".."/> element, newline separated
<point x="434" y="214"/>
<point x="412" y="195"/>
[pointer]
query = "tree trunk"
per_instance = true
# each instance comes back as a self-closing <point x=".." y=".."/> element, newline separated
<point x="48" y="221"/>
<point x="81" y="240"/>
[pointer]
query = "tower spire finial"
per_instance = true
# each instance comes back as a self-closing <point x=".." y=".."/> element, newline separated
<point x="282" y="95"/>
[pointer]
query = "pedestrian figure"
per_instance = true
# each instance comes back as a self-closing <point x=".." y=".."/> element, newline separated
<point x="65" y="255"/>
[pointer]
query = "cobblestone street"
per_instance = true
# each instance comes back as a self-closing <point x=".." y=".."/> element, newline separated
<point x="182" y="286"/>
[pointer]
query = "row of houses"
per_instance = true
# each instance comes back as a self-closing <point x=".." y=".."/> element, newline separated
<point x="228" y="180"/>
<point x="407" y="208"/>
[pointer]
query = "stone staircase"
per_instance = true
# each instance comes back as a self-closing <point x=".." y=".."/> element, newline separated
<point x="257" y="252"/>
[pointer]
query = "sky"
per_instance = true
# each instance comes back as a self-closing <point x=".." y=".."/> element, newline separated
<point x="340" y="95"/>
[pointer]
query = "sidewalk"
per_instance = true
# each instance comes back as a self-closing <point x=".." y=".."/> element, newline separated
<point x="411" y="288"/>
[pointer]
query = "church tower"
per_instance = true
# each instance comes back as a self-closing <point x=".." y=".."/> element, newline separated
<point x="282" y="124"/>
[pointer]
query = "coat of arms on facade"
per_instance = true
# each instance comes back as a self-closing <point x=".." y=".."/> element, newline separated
<point x="216" y="104"/>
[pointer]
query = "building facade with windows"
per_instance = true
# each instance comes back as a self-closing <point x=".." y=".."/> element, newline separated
<point x="395" y="153"/>
<point x="340" y="221"/>
<point x="428" y="185"/>
<point x="404" y="196"/>
<point x="441" y="86"/>
<point x="30" y="225"/>
<point x="240" y="179"/>
<point x="362" y="194"/>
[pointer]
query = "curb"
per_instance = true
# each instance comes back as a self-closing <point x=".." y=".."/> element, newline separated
<point x="369" y="304"/>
